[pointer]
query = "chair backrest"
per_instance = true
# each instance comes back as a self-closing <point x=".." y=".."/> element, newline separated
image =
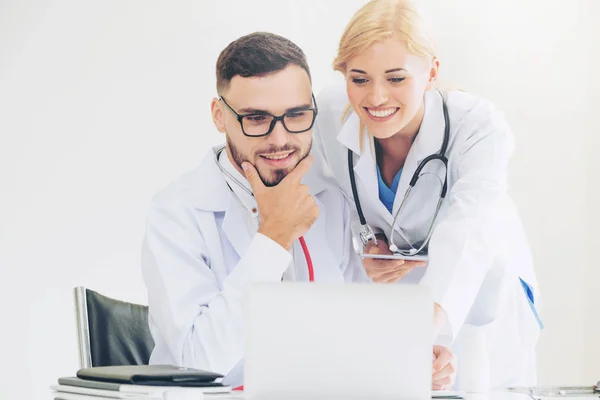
<point x="111" y="332"/>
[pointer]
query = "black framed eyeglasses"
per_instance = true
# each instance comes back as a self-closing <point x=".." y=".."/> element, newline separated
<point x="257" y="124"/>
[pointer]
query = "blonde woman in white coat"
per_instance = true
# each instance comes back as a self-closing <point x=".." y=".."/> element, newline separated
<point x="381" y="124"/>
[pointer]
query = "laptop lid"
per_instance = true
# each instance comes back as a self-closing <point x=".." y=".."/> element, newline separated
<point x="356" y="341"/>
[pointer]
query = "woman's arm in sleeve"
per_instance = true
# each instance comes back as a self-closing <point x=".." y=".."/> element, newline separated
<point x="460" y="251"/>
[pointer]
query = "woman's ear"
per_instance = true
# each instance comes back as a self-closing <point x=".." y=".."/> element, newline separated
<point x="217" y="115"/>
<point x="433" y="72"/>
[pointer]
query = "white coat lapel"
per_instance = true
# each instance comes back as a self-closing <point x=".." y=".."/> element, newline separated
<point x="324" y="263"/>
<point x="210" y="191"/>
<point x="428" y="141"/>
<point x="365" y="168"/>
<point x="215" y="196"/>
<point x="366" y="173"/>
<point x="235" y="229"/>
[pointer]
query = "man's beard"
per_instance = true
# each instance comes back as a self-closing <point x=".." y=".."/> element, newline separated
<point x="276" y="175"/>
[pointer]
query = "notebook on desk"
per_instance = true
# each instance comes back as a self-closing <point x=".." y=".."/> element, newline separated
<point x="77" y="385"/>
<point x="139" y="381"/>
<point x="159" y="375"/>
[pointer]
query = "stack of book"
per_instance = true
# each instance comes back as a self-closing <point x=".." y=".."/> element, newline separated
<point x="163" y="382"/>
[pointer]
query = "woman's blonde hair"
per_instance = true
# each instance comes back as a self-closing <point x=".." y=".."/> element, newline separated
<point x="379" y="20"/>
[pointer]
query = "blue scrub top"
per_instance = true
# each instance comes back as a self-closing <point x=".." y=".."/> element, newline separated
<point x="388" y="194"/>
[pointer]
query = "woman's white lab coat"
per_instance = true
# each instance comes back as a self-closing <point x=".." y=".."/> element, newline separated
<point x="478" y="251"/>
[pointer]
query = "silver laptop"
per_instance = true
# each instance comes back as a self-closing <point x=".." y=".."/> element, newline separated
<point x="350" y="341"/>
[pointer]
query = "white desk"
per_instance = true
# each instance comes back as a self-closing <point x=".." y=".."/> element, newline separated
<point x="469" y="396"/>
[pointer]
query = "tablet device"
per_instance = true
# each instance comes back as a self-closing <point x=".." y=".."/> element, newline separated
<point x="396" y="256"/>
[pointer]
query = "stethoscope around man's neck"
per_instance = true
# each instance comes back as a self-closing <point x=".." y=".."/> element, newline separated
<point x="367" y="235"/>
<point x="307" y="257"/>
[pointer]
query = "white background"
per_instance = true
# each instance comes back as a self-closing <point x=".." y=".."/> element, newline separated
<point x="102" y="103"/>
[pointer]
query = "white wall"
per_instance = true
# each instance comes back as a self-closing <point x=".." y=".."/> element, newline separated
<point x="592" y="348"/>
<point x="102" y="103"/>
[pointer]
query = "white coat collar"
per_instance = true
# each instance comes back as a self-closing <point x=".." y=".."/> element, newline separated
<point x="208" y="187"/>
<point x="432" y="127"/>
<point x="349" y="135"/>
<point x="212" y="193"/>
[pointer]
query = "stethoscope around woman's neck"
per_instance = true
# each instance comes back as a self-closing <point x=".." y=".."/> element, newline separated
<point x="367" y="235"/>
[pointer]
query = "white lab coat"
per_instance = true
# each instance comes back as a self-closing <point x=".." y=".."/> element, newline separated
<point x="202" y="247"/>
<point x="478" y="250"/>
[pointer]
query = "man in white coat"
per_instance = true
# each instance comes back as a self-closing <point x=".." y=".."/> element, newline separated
<point x="252" y="211"/>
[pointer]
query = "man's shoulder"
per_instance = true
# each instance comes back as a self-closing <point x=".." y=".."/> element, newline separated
<point x="331" y="197"/>
<point x="190" y="189"/>
<point x="177" y="191"/>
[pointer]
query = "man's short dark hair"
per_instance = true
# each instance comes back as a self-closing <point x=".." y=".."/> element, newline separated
<point x="257" y="54"/>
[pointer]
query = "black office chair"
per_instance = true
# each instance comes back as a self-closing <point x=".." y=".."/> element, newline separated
<point x="111" y="332"/>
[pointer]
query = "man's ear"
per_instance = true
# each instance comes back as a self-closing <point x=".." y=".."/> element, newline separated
<point x="217" y="114"/>
<point x="433" y="73"/>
